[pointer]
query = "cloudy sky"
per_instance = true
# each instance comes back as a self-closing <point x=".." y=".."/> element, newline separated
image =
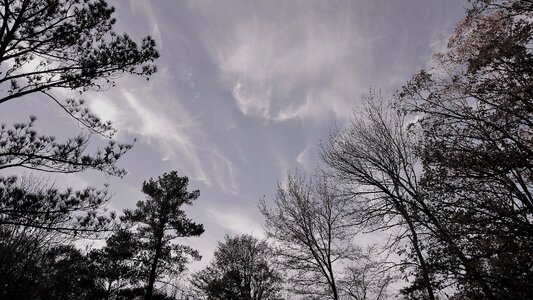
<point x="245" y="92"/>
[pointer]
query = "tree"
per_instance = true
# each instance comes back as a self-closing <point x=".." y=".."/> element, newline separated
<point x="450" y="160"/>
<point x="368" y="277"/>
<point x="242" y="269"/>
<point x="34" y="265"/>
<point x="22" y="146"/>
<point x="21" y="251"/>
<point x="66" y="274"/>
<point x="158" y="221"/>
<point x="36" y="221"/>
<point x="65" y="44"/>
<point x="32" y="203"/>
<point x="374" y="163"/>
<point x="474" y="110"/>
<point x="311" y="228"/>
<point x="114" y="265"/>
<point x="45" y="45"/>
<point x="377" y="161"/>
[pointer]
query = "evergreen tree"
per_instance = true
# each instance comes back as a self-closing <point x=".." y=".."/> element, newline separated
<point x="157" y="222"/>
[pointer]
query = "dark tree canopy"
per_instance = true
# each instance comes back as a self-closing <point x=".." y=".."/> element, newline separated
<point x="33" y="266"/>
<point x="114" y="265"/>
<point x="29" y="202"/>
<point x="45" y="45"/>
<point x="158" y="221"/>
<point x="475" y="117"/>
<point x="22" y="146"/>
<point x="243" y="269"/>
<point x="68" y="44"/>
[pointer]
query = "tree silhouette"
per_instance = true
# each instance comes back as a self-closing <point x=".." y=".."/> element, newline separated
<point x="242" y="269"/>
<point x="310" y="224"/>
<point x="29" y="202"/>
<point x="374" y="161"/>
<point x="35" y="265"/>
<point x="46" y="45"/>
<point x="474" y="110"/>
<point x="157" y="222"/>
<point x="66" y="44"/>
<point x="114" y="265"/>
<point x="22" y="146"/>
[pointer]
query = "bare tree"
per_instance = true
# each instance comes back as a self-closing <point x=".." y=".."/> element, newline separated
<point x="475" y="116"/>
<point x="377" y="160"/>
<point x="368" y="277"/>
<point x="313" y="236"/>
<point x="374" y="161"/>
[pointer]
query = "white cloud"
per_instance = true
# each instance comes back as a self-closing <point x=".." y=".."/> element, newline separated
<point x="177" y="135"/>
<point x="252" y="98"/>
<point x="304" y="158"/>
<point x="222" y="165"/>
<point x="146" y="8"/>
<point x="237" y="222"/>
<point x="171" y="132"/>
<point x="106" y="110"/>
<point x="286" y="70"/>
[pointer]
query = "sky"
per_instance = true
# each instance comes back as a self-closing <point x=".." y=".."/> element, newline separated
<point x="245" y="91"/>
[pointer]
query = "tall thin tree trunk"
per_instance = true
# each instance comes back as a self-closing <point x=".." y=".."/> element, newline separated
<point x="422" y="261"/>
<point x="418" y="252"/>
<point x="151" y="279"/>
<point x="153" y="268"/>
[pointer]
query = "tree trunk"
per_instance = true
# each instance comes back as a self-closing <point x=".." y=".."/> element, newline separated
<point x="418" y="252"/>
<point x="153" y="269"/>
<point x="422" y="261"/>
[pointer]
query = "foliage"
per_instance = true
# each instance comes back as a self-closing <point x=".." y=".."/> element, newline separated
<point x="157" y="222"/>
<point x="242" y="269"/>
<point x="114" y="265"/>
<point x="29" y="202"/>
<point x="66" y="44"/>
<point x="66" y="274"/>
<point x="22" y="146"/>
<point x="21" y="250"/>
<point x="46" y="45"/>
<point x="474" y="110"/>
<point x="34" y="266"/>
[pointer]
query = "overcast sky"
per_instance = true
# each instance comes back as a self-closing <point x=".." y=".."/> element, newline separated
<point x="245" y="92"/>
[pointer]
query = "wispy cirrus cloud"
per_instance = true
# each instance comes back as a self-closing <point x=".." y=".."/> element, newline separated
<point x="237" y="222"/>
<point x="146" y="8"/>
<point x="296" y="66"/>
<point x="175" y="132"/>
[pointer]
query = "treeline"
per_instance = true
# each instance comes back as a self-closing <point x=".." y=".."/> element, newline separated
<point x="41" y="262"/>
<point x="442" y="170"/>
